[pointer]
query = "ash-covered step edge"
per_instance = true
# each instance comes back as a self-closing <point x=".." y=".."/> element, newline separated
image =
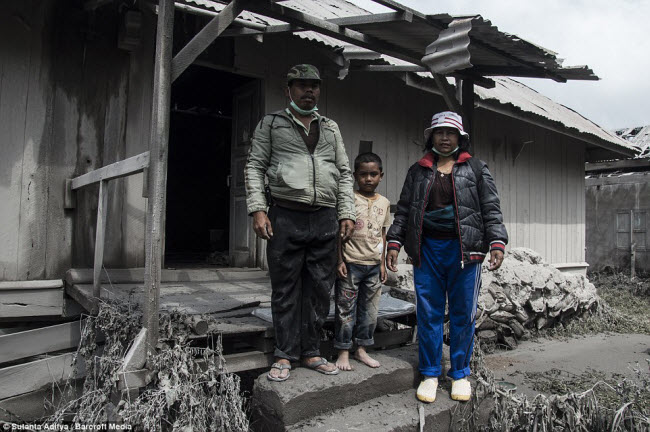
<point x="308" y="393"/>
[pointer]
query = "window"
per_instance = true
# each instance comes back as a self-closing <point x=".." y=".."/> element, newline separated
<point x="638" y="223"/>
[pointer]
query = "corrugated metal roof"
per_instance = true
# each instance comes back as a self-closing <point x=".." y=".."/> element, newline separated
<point x="639" y="137"/>
<point x="417" y="35"/>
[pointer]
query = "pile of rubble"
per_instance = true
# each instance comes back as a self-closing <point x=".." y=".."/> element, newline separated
<point x="525" y="293"/>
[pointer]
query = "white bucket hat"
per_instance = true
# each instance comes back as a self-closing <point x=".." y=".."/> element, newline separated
<point x="445" y="119"/>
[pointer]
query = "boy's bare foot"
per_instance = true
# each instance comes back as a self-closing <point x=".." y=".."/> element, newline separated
<point x="364" y="358"/>
<point x="275" y="373"/>
<point x="343" y="361"/>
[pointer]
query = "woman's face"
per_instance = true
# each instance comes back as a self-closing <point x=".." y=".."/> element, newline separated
<point x="445" y="139"/>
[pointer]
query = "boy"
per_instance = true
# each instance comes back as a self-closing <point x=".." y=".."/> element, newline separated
<point x="361" y="266"/>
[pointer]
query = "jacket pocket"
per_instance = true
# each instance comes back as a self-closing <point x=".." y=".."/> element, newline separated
<point x="328" y="180"/>
<point x="295" y="173"/>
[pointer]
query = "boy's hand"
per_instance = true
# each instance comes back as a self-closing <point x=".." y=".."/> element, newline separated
<point x="342" y="270"/>
<point x="262" y="225"/>
<point x="391" y="260"/>
<point x="383" y="276"/>
<point x="346" y="226"/>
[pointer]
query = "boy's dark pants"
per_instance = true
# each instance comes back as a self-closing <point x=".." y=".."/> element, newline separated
<point x="357" y="306"/>
<point x="302" y="264"/>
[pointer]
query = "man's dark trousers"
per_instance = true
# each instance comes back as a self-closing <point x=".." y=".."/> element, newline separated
<point x="302" y="264"/>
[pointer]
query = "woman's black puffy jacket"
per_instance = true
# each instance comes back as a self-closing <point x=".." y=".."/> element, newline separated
<point x="476" y="204"/>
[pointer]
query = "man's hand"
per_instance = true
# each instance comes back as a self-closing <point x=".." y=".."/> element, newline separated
<point x="262" y="225"/>
<point x="383" y="276"/>
<point x="391" y="260"/>
<point x="346" y="226"/>
<point x="342" y="270"/>
<point x="496" y="258"/>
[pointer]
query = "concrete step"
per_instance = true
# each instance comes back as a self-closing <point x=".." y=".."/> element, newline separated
<point x="308" y="393"/>
<point x="389" y="413"/>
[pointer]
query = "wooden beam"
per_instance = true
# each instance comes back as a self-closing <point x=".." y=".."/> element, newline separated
<point x="40" y="341"/>
<point x="378" y="18"/>
<point x="204" y="38"/>
<point x="115" y="170"/>
<point x="27" y="377"/>
<point x="448" y="93"/>
<point x="389" y="68"/>
<point x="31" y="303"/>
<point x="32" y="284"/>
<point x="467" y="104"/>
<point x="327" y="28"/>
<point x="100" y="233"/>
<point x="615" y="165"/>
<point x="627" y="179"/>
<point x="69" y="196"/>
<point x="159" y="145"/>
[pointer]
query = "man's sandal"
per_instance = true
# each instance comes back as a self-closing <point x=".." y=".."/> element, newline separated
<point x="280" y="367"/>
<point x="321" y="362"/>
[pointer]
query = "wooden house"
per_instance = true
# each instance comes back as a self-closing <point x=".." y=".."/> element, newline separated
<point x="124" y="129"/>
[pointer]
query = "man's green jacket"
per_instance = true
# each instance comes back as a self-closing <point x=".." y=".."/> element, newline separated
<point x="322" y="179"/>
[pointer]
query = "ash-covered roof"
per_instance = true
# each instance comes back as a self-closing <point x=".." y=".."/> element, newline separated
<point x="639" y="137"/>
<point x="507" y="95"/>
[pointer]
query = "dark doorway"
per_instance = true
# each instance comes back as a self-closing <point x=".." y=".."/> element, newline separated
<point x="198" y="196"/>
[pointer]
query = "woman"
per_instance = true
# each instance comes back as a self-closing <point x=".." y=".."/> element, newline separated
<point x="448" y="218"/>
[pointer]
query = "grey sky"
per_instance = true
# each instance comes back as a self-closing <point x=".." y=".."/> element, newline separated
<point x="612" y="37"/>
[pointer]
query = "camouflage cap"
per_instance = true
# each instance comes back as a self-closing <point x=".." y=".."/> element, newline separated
<point x="303" y="71"/>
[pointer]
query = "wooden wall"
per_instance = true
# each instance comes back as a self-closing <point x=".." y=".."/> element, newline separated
<point x="63" y="92"/>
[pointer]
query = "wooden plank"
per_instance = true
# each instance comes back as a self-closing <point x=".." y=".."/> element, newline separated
<point x="31" y="284"/>
<point x="31" y="303"/>
<point x="204" y="38"/>
<point x="377" y="18"/>
<point x="623" y="164"/>
<point x="159" y="148"/>
<point x="115" y="170"/>
<point x="35" y="170"/>
<point x="136" y="275"/>
<point x="27" y="377"/>
<point x="99" y="238"/>
<point x="192" y="298"/>
<point x="327" y="28"/>
<point x="14" y="84"/>
<point x="40" y="341"/>
<point x="448" y="93"/>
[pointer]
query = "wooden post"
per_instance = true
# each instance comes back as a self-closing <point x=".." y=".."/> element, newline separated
<point x="467" y="101"/>
<point x="99" y="242"/>
<point x="632" y="247"/>
<point x="158" y="170"/>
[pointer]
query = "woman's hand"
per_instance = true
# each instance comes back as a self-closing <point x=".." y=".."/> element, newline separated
<point x="391" y="260"/>
<point x="496" y="258"/>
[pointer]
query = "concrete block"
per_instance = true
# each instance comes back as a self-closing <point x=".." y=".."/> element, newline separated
<point x="308" y="393"/>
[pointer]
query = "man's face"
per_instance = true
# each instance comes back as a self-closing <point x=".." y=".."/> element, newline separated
<point x="368" y="175"/>
<point x="445" y="139"/>
<point x="305" y="93"/>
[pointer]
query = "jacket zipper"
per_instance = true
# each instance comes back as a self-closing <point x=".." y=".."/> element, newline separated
<point x="426" y="199"/>
<point x="460" y="239"/>
<point x="313" y="168"/>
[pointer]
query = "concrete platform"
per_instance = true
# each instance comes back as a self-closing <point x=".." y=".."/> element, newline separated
<point x="308" y="393"/>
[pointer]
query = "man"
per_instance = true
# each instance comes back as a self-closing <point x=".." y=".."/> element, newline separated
<point x="310" y="185"/>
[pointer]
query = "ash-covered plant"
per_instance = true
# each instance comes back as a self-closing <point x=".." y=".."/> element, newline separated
<point x="190" y="388"/>
<point x="604" y="406"/>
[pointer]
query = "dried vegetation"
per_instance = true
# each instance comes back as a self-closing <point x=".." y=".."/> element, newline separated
<point x="190" y="390"/>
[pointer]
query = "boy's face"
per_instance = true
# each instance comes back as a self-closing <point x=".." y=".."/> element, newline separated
<point x="368" y="176"/>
